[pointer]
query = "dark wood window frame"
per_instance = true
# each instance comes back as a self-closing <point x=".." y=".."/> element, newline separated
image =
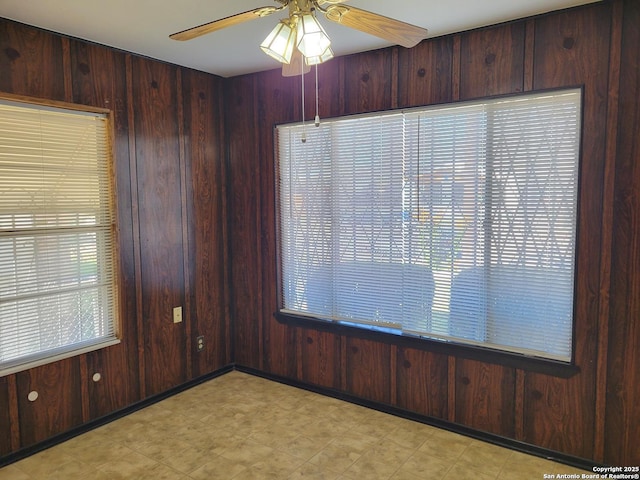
<point x="490" y="355"/>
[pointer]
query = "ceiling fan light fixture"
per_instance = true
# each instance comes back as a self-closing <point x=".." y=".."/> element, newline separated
<point x="280" y="42"/>
<point x="312" y="40"/>
<point x="301" y="35"/>
<point x="326" y="55"/>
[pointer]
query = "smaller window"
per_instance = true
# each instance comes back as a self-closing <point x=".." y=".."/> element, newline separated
<point x="57" y="229"/>
<point x="452" y="222"/>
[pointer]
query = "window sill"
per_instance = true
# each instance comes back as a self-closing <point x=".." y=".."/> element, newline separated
<point x="528" y="363"/>
<point x="62" y="355"/>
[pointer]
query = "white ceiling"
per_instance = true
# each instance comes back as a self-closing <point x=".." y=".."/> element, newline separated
<point x="144" y="26"/>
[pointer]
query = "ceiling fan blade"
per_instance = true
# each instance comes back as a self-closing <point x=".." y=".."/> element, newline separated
<point x="296" y="65"/>
<point x="224" y="23"/>
<point x="395" y="31"/>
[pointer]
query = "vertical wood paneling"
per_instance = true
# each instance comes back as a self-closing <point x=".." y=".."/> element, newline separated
<point x="117" y="387"/>
<point x="455" y="69"/>
<point x="66" y="67"/>
<point x="607" y="234"/>
<point x="330" y="95"/>
<point x="84" y="388"/>
<point x="424" y="73"/>
<point x="187" y="306"/>
<point x="623" y="372"/>
<point x="422" y="382"/>
<point x="492" y="61"/>
<point x="99" y="79"/>
<point x="135" y="216"/>
<point x="5" y="419"/>
<point x="519" y="405"/>
<point x="393" y="375"/>
<point x="206" y="227"/>
<point x="343" y="362"/>
<point x="529" y="44"/>
<point x="451" y="388"/>
<point x="276" y="100"/>
<point x="320" y="358"/>
<point x="14" y="415"/>
<point x="31" y="62"/>
<point x="150" y="205"/>
<point x="368" y="82"/>
<point x="330" y="88"/>
<point x="243" y="177"/>
<point x="368" y="369"/>
<point x="158" y="169"/>
<point x="58" y="407"/>
<point x="572" y="48"/>
<point x="485" y="397"/>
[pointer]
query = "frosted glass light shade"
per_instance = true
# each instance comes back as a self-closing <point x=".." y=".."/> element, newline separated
<point x="312" y="39"/>
<point x="280" y="42"/>
<point x="326" y="55"/>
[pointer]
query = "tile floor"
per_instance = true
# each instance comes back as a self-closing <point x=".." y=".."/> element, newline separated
<point x="239" y="427"/>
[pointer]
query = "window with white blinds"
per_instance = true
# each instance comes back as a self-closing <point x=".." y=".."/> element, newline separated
<point x="453" y="222"/>
<point x="57" y="282"/>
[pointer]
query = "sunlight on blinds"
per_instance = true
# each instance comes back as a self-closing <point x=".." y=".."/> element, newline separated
<point x="57" y="288"/>
<point x="455" y="222"/>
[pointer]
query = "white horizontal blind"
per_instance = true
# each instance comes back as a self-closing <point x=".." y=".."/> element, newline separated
<point x="57" y="277"/>
<point x="534" y="152"/>
<point x="455" y="222"/>
<point x="343" y="235"/>
<point x="447" y="182"/>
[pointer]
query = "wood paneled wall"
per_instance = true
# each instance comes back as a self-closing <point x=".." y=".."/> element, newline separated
<point x="195" y="186"/>
<point x="590" y="415"/>
<point x="171" y="205"/>
<point x="623" y="348"/>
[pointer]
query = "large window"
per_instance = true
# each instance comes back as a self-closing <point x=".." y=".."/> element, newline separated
<point x="454" y="222"/>
<point x="57" y="281"/>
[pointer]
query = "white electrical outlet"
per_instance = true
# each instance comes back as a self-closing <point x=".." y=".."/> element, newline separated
<point x="177" y="314"/>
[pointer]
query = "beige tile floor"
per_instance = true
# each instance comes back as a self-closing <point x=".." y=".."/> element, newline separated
<point x="239" y="427"/>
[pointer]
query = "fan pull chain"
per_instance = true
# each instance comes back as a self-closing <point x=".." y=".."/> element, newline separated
<point x="304" y="127"/>
<point x="317" y="119"/>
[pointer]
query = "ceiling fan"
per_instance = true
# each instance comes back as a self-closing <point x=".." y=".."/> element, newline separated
<point x="299" y="40"/>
